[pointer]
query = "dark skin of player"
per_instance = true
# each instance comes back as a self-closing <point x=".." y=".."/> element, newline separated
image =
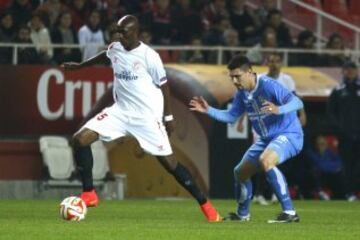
<point x="128" y="29"/>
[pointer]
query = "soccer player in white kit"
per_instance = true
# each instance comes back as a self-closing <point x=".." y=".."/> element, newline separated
<point x="141" y="107"/>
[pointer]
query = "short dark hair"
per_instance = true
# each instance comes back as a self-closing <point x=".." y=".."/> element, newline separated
<point x="238" y="61"/>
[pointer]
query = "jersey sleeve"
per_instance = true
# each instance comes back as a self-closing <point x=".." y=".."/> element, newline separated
<point x="156" y="68"/>
<point x="110" y="50"/>
<point x="230" y="115"/>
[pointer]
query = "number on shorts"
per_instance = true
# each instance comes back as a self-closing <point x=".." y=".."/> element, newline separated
<point x="101" y="116"/>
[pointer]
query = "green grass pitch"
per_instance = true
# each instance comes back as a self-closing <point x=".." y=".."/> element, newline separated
<point x="178" y="219"/>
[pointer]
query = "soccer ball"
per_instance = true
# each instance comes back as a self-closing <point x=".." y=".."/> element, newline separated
<point x="73" y="209"/>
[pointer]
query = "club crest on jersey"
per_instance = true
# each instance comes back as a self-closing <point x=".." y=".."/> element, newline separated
<point x="126" y="76"/>
<point x="136" y="66"/>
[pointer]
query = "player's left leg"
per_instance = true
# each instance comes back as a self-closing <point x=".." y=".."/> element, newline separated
<point x="153" y="138"/>
<point x="280" y="149"/>
<point x="184" y="178"/>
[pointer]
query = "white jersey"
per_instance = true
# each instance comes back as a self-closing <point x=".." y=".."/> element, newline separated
<point x="285" y="80"/>
<point x="138" y="75"/>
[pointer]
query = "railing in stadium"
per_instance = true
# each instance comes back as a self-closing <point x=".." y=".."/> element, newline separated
<point x="353" y="54"/>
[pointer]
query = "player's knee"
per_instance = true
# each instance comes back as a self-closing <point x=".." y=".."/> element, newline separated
<point x="78" y="140"/>
<point x="168" y="162"/>
<point x="266" y="163"/>
<point x="237" y="174"/>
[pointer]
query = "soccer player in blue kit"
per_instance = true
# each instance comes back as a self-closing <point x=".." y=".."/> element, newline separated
<point x="272" y="112"/>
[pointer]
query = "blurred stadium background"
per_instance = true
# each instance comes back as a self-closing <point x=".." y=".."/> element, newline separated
<point x="194" y="39"/>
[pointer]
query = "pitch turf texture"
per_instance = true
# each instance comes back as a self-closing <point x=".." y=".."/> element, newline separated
<point x="177" y="219"/>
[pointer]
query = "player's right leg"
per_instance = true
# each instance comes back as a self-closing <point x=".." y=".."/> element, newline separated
<point x="107" y="126"/>
<point x="243" y="172"/>
<point x="81" y="142"/>
<point x="243" y="190"/>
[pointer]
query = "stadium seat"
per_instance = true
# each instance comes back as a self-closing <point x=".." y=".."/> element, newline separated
<point x="336" y="7"/>
<point x="354" y="7"/>
<point x="101" y="163"/>
<point x="57" y="156"/>
<point x="304" y="11"/>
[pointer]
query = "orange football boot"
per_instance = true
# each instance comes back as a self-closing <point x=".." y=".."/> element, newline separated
<point x="210" y="212"/>
<point x="90" y="198"/>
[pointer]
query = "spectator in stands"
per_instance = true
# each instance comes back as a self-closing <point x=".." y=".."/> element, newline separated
<point x="41" y="38"/>
<point x="91" y="36"/>
<point x="336" y="42"/>
<point x="112" y="10"/>
<point x="80" y="13"/>
<point x="306" y="40"/>
<point x="26" y="55"/>
<point x="196" y="56"/>
<point x="51" y="10"/>
<point x="109" y="29"/>
<point x="282" y="31"/>
<point x="244" y="21"/>
<point x="22" y="11"/>
<point x="114" y="36"/>
<point x="344" y="113"/>
<point x="264" y="9"/>
<point x="65" y="34"/>
<point x="214" y="35"/>
<point x="255" y="55"/>
<point x="146" y="36"/>
<point x="186" y="21"/>
<point x="213" y="11"/>
<point x="159" y="21"/>
<point x="231" y="39"/>
<point x="4" y="4"/>
<point x="7" y="35"/>
<point x="327" y="169"/>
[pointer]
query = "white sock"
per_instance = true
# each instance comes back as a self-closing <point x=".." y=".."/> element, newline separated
<point x="290" y="212"/>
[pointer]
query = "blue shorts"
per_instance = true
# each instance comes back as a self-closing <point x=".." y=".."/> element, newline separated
<point x="286" y="145"/>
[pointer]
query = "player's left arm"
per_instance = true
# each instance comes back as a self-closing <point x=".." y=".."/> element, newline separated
<point x="168" y="115"/>
<point x="158" y="74"/>
<point x="287" y="101"/>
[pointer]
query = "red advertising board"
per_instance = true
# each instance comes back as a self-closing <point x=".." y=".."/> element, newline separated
<point x="46" y="100"/>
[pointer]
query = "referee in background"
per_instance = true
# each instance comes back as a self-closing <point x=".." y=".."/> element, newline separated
<point x="344" y="113"/>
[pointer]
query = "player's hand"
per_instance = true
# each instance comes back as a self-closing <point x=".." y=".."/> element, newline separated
<point x="71" y="66"/>
<point x="240" y="126"/>
<point x="170" y="127"/>
<point x="269" y="107"/>
<point x="199" y="104"/>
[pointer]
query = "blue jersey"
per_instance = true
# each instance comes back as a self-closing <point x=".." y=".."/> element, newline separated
<point x="266" y="125"/>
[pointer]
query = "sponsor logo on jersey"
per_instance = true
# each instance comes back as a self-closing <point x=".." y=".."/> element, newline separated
<point x="126" y="76"/>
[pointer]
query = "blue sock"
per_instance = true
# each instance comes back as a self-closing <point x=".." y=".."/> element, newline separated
<point x="243" y="193"/>
<point x="278" y="183"/>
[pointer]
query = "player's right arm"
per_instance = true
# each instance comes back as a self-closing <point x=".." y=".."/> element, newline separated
<point x="100" y="58"/>
<point x="199" y="104"/>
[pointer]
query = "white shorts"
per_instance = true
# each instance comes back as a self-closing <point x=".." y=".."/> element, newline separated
<point x="150" y="132"/>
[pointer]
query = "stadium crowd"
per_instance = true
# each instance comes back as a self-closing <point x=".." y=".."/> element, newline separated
<point x="165" y="22"/>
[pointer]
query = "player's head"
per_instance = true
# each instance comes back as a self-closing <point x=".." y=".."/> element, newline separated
<point x="241" y="73"/>
<point x="274" y="62"/>
<point x="128" y="28"/>
<point x="350" y="71"/>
